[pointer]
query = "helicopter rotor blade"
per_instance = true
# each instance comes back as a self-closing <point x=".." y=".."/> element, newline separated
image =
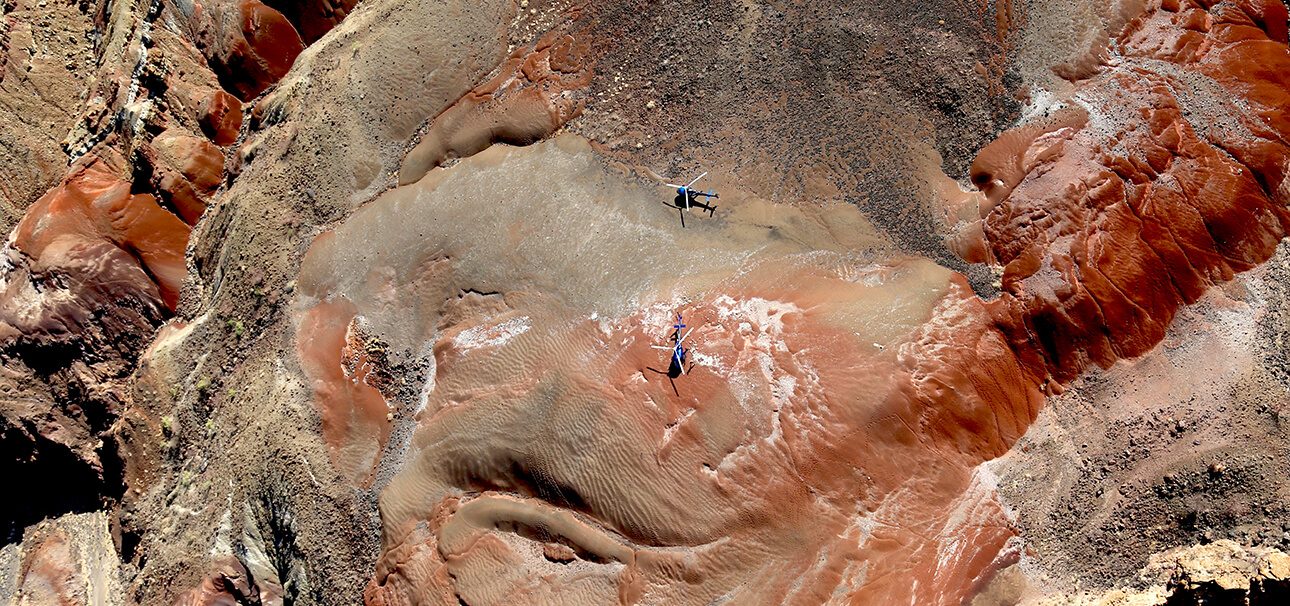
<point x="683" y="337"/>
<point x="661" y="347"/>
<point x="673" y="185"/>
<point x="696" y="179"/>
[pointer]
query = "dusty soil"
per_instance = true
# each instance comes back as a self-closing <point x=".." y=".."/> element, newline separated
<point x="1184" y="446"/>
<point x="804" y="104"/>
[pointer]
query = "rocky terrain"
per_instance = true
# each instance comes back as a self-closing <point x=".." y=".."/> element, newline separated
<point x="358" y="302"/>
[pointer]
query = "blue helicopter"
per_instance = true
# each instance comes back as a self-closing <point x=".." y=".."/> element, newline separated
<point x="679" y="353"/>
<point x="687" y="197"/>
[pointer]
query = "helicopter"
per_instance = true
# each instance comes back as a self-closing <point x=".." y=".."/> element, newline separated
<point x="687" y="198"/>
<point x="679" y="353"/>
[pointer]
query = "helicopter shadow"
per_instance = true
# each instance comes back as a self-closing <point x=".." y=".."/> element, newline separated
<point x="673" y="371"/>
<point x="678" y="203"/>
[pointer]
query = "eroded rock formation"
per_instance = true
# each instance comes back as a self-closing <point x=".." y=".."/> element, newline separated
<point x="387" y="332"/>
<point x="229" y="583"/>
<point x="97" y="262"/>
<point x="1178" y="181"/>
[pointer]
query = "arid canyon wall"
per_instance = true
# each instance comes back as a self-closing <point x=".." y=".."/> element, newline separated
<point x="326" y="302"/>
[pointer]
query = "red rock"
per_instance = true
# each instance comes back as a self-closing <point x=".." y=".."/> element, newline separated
<point x="272" y="45"/>
<point x="92" y="270"/>
<point x="229" y="584"/>
<point x="93" y="213"/>
<point x="220" y="115"/>
<point x="314" y="17"/>
<point x="353" y="411"/>
<point x="187" y="171"/>
<point x="250" y="46"/>
<point x="1103" y="237"/>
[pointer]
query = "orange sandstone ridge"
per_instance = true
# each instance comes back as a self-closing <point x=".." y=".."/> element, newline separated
<point x="1106" y="225"/>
